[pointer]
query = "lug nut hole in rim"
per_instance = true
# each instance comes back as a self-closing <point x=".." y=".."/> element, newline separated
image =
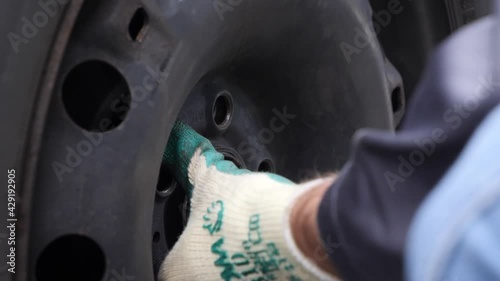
<point x="222" y="110"/>
<point x="156" y="237"/>
<point x="266" y="166"/>
<point x="231" y="155"/>
<point x="166" y="184"/>
<point x="232" y="158"/>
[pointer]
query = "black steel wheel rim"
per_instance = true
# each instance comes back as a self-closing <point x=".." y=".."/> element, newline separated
<point x="140" y="65"/>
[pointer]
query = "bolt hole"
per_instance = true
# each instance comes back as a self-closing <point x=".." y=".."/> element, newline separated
<point x="233" y="159"/>
<point x="177" y="213"/>
<point x="96" y="96"/>
<point x="397" y="100"/>
<point x="222" y="111"/>
<point x="231" y="155"/>
<point x="166" y="182"/>
<point x="266" y="166"/>
<point x="156" y="237"/>
<point x="71" y="257"/>
<point x="138" y="25"/>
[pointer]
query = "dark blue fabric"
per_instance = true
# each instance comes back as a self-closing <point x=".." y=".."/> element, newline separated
<point x="365" y="215"/>
<point x="455" y="234"/>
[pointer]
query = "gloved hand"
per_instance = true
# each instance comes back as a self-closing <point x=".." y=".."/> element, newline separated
<point x="239" y="226"/>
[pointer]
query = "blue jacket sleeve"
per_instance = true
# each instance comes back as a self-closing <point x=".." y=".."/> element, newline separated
<point x="455" y="234"/>
<point x="365" y="215"/>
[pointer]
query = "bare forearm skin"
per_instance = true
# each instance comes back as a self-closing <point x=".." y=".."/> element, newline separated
<point x="305" y="230"/>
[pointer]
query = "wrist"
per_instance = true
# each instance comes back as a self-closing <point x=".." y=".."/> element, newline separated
<point x="305" y="230"/>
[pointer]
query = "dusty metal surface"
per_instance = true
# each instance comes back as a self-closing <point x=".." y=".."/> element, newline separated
<point x="259" y="81"/>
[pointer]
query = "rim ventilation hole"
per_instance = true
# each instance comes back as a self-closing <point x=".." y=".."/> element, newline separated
<point x="397" y="100"/>
<point x="71" y="257"/>
<point x="138" y="25"/>
<point x="156" y="237"/>
<point x="266" y="166"/>
<point x="96" y="96"/>
<point x="222" y="111"/>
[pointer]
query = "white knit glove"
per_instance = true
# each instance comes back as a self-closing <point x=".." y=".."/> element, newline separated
<point x="238" y="227"/>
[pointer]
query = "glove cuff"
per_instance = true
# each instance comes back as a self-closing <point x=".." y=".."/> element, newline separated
<point x="292" y="246"/>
